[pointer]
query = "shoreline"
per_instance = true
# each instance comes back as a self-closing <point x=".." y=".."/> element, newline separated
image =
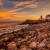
<point x="35" y="36"/>
<point x="24" y="26"/>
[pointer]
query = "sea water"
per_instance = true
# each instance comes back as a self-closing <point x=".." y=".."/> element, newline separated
<point x="9" y="27"/>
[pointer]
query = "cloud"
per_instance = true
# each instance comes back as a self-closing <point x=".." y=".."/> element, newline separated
<point x="43" y="1"/>
<point x="12" y="15"/>
<point x="27" y="4"/>
<point x="1" y="2"/>
<point x="14" y="4"/>
<point x="9" y="9"/>
<point x="30" y="3"/>
<point x="17" y="5"/>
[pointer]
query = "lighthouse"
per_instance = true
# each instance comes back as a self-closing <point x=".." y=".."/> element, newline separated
<point x="41" y="18"/>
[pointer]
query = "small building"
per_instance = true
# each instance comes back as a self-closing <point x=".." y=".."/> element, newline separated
<point x="47" y="17"/>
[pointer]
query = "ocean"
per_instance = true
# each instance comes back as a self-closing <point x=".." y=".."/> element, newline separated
<point x="9" y="27"/>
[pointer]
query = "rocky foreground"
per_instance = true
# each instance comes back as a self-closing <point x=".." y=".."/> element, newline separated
<point x="34" y="37"/>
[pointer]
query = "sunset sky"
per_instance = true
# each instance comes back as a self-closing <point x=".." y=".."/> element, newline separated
<point x="20" y="10"/>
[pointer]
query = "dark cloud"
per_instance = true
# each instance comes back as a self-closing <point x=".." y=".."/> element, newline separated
<point x="8" y="5"/>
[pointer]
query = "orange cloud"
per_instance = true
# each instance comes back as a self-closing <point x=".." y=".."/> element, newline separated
<point x="3" y="14"/>
<point x="12" y="15"/>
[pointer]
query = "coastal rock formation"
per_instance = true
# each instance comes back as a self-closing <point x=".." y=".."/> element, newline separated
<point x="33" y="37"/>
<point x="33" y="21"/>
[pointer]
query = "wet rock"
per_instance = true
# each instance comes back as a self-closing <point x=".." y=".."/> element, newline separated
<point x="44" y="40"/>
<point x="19" y="39"/>
<point x="12" y="46"/>
<point x="49" y="34"/>
<point x="41" y="45"/>
<point x="28" y="37"/>
<point x="25" y="49"/>
<point x="29" y="49"/>
<point x="19" y="43"/>
<point x="5" y="39"/>
<point x="31" y="33"/>
<point x="48" y="46"/>
<point x="36" y="36"/>
<point x="23" y="40"/>
<point x="33" y="39"/>
<point x="11" y="37"/>
<point x="44" y="36"/>
<point x="2" y="44"/>
<point x="32" y="45"/>
<point x="2" y="49"/>
<point x="41" y="49"/>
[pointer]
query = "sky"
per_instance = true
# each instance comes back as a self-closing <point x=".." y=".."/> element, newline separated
<point x="20" y="10"/>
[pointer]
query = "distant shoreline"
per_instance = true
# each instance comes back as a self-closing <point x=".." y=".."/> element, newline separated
<point x="24" y="26"/>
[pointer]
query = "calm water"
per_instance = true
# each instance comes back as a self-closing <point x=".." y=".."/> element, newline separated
<point x="8" y="27"/>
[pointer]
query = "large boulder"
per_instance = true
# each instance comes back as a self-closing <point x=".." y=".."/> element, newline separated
<point x="12" y="46"/>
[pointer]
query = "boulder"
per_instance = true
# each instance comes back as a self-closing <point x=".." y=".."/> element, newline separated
<point x="25" y="49"/>
<point x="42" y="48"/>
<point x="23" y="40"/>
<point x="49" y="34"/>
<point x="5" y="39"/>
<point x="48" y="46"/>
<point x="2" y="49"/>
<point x="41" y="45"/>
<point x="19" y="43"/>
<point x="32" y="45"/>
<point x="12" y="46"/>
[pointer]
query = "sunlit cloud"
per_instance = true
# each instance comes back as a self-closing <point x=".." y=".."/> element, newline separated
<point x="10" y="9"/>
<point x="11" y="15"/>
<point x="26" y="4"/>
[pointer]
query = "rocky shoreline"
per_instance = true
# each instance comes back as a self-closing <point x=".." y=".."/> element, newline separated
<point x="33" y="37"/>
